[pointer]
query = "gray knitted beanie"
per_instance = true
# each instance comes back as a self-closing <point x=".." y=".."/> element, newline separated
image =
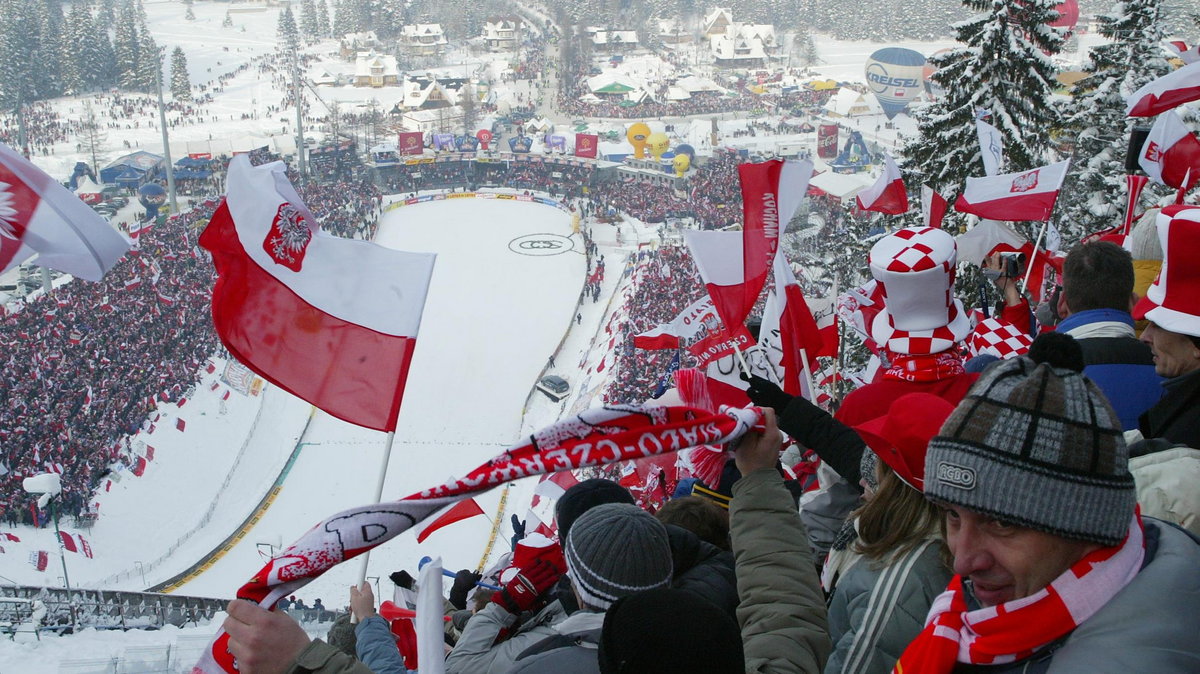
<point x="615" y="550"/>
<point x="1039" y="447"/>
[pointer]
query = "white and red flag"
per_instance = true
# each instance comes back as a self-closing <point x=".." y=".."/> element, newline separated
<point x="991" y="146"/>
<point x="1185" y="53"/>
<point x="1171" y="153"/>
<point x="1169" y="91"/>
<point x="68" y="542"/>
<point x="789" y="328"/>
<point x="1027" y="195"/>
<point x="458" y="512"/>
<point x="38" y="216"/>
<point x="623" y="432"/>
<point x="933" y="207"/>
<point x="771" y="193"/>
<point x="333" y="321"/>
<point x="887" y="195"/>
<point x="993" y="236"/>
<point x="683" y="328"/>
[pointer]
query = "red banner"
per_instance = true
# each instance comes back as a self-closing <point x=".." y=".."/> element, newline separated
<point x="586" y="145"/>
<point x="827" y="141"/>
<point x="411" y="142"/>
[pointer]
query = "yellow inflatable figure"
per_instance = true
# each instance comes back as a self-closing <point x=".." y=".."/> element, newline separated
<point x="681" y="163"/>
<point x="658" y="144"/>
<point x="637" y="135"/>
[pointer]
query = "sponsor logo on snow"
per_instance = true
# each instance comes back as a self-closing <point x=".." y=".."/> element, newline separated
<point x="541" y="244"/>
<point x="1025" y="181"/>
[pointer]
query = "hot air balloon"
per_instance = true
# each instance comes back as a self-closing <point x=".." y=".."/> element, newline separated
<point x="894" y="75"/>
<point x="681" y="163"/>
<point x="636" y="135"/>
<point x="688" y="150"/>
<point x="658" y="144"/>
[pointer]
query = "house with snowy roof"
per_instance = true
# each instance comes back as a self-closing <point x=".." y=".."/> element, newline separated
<point x="352" y="43"/>
<point x="611" y="40"/>
<point x="427" y="93"/>
<point x="673" y="32"/>
<point x="500" y="32"/>
<point x="375" y="70"/>
<point x="423" y="39"/>
<point x="850" y="103"/>
<point x="716" y="21"/>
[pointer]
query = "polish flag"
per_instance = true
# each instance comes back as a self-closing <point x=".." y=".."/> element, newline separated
<point x="553" y="486"/>
<point x="83" y="545"/>
<point x="1171" y="153"/>
<point x="933" y="207"/>
<point x="1183" y="52"/>
<point x="68" y="542"/>
<point x="460" y="511"/>
<point x="993" y="236"/>
<point x="135" y="229"/>
<point x="180" y="425"/>
<point x="887" y="195"/>
<point x="333" y="321"/>
<point x="1167" y="92"/>
<point x="139" y="466"/>
<point x="788" y="327"/>
<point x="771" y="193"/>
<point x="40" y="216"/>
<point x="1028" y="195"/>
<point x="682" y="328"/>
<point x="133" y="283"/>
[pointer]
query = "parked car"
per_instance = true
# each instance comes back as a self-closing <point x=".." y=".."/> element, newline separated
<point x="555" y="387"/>
<point x="104" y="209"/>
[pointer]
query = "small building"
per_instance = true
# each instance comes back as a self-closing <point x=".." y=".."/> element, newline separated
<point x="500" y="32"/>
<point x="427" y="121"/>
<point x="673" y="32"/>
<point x="736" y="52"/>
<point x="375" y="70"/>
<point x="611" y="40"/>
<point x="429" y="93"/>
<point x="133" y="169"/>
<point x="353" y="43"/>
<point x="716" y="21"/>
<point x="850" y="103"/>
<point x="423" y="39"/>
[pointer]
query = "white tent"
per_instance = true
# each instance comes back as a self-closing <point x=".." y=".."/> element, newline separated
<point x="87" y="186"/>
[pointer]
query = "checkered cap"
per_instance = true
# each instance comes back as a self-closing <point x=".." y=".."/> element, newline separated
<point x="1000" y="339"/>
<point x="915" y="268"/>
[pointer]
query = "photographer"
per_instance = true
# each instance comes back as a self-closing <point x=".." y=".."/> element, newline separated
<point x="1006" y="270"/>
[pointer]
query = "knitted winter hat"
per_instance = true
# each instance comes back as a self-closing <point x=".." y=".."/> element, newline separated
<point x="614" y="550"/>
<point x="1038" y="446"/>
<point x="669" y="631"/>
<point x="583" y="497"/>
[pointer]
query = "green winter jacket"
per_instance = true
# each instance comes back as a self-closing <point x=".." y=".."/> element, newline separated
<point x="781" y="609"/>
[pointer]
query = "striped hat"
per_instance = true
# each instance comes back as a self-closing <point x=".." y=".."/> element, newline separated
<point x="615" y="550"/>
<point x="1173" y="300"/>
<point x="1036" y="446"/>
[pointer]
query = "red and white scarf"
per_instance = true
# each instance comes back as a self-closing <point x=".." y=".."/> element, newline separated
<point x="592" y="438"/>
<point x="1015" y="630"/>
<point x="932" y="367"/>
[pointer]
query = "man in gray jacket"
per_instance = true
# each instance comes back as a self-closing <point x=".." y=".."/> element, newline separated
<point x="1055" y="570"/>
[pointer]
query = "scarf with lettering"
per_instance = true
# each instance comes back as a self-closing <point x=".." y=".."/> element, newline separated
<point x="594" y="437"/>
<point x="924" y="368"/>
<point x="1015" y="630"/>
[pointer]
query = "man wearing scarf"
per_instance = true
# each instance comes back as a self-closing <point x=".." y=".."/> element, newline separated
<point x="1056" y="570"/>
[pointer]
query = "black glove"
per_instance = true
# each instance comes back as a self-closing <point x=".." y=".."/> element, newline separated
<point x="404" y="579"/>
<point x="518" y="527"/>
<point x="764" y="393"/>
<point x="463" y="582"/>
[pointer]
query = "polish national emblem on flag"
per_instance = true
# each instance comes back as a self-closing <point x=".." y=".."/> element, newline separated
<point x="288" y="237"/>
<point x="13" y="202"/>
<point x="1025" y="181"/>
<point x="1153" y="152"/>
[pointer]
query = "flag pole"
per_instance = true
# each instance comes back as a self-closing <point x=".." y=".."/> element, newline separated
<point x="1036" y="246"/>
<point x="387" y="455"/>
<point x="808" y="380"/>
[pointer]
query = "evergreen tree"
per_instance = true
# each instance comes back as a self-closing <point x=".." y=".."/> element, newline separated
<point x="16" y="76"/>
<point x="47" y="52"/>
<point x="342" y="22"/>
<point x="107" y="16"/>
<point x="127" y="49"/>
<point x="189" y="15"/>
<point x="308" y="20"/>
<point x="150" y="65"/>
<point x="92" y="137"/>
<point x="228" y="22"/>
<point x="78" y="20"/>
<point x="322" y="18"/>
<point x="289" y="36"/>
<point x="1095" y="120"/>
<point x="1003" y="68"/>
<point x="181" y="84"/>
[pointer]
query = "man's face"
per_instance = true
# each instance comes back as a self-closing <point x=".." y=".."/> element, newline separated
<point x="1174" y="354"/>
<point x="1006" y="562"/>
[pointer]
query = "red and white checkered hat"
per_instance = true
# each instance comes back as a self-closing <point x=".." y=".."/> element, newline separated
<point x="1000" y="339"/>
<point x="915" y="268"/>
<point x="1173" y="300"/>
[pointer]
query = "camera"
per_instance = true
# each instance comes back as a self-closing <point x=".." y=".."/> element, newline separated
<point x="1013" y="263"/>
